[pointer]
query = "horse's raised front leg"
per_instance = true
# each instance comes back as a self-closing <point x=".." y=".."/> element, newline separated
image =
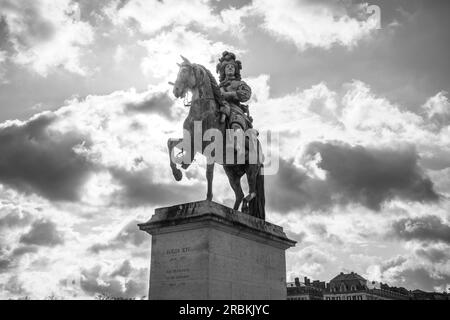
<point x="209" y="178"/>
<point x="171" y="143"/>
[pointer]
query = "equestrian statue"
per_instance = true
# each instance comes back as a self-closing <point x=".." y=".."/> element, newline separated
<point x="220" y="107"/>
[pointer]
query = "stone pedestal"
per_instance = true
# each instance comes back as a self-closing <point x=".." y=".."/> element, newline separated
<point x="206" y="251"/>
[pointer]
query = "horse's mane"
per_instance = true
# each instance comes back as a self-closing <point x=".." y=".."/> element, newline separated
<point x="214" y="87"/>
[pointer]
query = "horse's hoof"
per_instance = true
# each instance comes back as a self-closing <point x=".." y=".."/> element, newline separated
<point x="249" y="198"/>
<point x="185" y="166"/>
<point x="245" y="208"/>
<point x="177" y="174"/>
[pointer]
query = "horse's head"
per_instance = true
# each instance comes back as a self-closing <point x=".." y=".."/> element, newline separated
<point x="185" y="79"/>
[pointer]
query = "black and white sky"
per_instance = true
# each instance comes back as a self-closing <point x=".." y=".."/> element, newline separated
<point x="363" y="116"/>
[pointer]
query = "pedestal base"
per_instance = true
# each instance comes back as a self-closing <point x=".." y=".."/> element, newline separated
<point x="206" y="251"/>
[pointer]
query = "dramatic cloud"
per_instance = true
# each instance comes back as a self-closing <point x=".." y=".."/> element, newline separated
<point x="36" y="28"/>
<point x="368" y="176"/>
<point x="118" y="141"/>
<point x="34" y="158"/>
<point x="293" y="20"/>
<point x="434" y="254"/>
<point x="335" y="23"/>
<point x="139" y="188"/>
<point x="15" y="219"/>
<point x="152" y="16"/>
<point x="97" y="281"/>
<point x="129" y="235"/>
<point x="426" y="268"/>
<point x="373" y="176"/>
<point x="354" y="114"/>
<point x="159" y="103"/>
<point x="364" y="111"/>
<point x="428" y="228"/>
<point x="322" y="232"/>
<point x="43" y="233"/>
<point x="299" y="237"/>
<point x="4" y="264"/>
<point x="124" y="270"/>
<point x="91" y="285"/>
<point x="11" y="225"/>
<point x="438" y="110"/>
<point x="163" y="51"/>
<point x="310" y="261"/>
<point x="14" y="286"/>
<point x="292" y="189"/>
<point x="393" y="263"/>
<point x="20" y="251"/>
<point x="437" y="159"/>
<point x="422" y="278"/>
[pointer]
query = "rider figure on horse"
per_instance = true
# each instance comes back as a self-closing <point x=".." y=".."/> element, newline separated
<point x="235" y="92"/>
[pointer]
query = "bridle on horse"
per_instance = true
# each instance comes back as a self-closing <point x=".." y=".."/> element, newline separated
<point x="187" y="103"/>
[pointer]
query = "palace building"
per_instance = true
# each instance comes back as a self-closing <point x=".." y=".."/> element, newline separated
<point x="352" y="286"/>
<point x="346" y="286"/>
<point x="306" y="290"/>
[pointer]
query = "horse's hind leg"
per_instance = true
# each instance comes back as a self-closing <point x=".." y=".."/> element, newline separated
<point x="171" y="143"/>
<point x="235" y="182"/>
<point x="239" y="194"/>
<point x="209" y="178"/>
<point x="251" y="178"/>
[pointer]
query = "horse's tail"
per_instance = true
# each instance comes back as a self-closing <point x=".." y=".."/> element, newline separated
<point x="257" y="204"/>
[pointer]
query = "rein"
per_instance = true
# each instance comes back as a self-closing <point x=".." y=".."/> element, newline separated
<point x="189" y="104"/>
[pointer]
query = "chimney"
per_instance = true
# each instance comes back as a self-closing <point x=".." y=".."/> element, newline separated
<point x="307" y="283"/>
<point x="297" y="282"/>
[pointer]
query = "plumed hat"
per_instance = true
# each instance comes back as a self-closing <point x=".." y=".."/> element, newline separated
<point x="226" y="59"/>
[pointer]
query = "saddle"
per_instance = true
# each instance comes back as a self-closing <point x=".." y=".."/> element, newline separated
<point x="237" y="114"/>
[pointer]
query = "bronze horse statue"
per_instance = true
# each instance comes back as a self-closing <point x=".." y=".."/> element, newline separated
<point x="204" y="109"/>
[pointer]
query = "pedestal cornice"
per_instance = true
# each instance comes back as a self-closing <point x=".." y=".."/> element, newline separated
<point x="198" y="214"/>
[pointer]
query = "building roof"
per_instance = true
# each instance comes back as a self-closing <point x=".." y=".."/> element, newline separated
<point x="348" y="277"/>
<point x="347" y="282"/>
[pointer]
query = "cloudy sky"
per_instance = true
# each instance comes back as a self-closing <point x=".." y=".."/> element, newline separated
<point x="363" y="116"/>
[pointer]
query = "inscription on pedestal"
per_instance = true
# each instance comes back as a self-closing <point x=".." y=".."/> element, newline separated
<point x="178" y="259"/>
